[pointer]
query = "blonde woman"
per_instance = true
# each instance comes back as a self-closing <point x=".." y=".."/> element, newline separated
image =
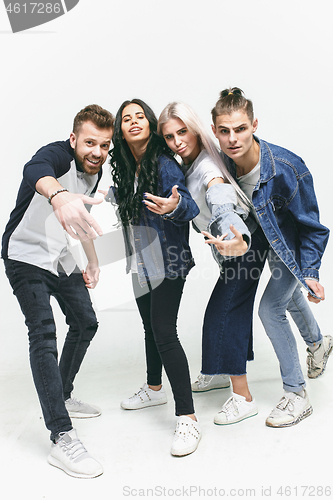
<point x="227" y="328"/>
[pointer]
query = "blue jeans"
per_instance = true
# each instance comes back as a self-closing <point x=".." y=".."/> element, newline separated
<point x="227" y="330"/>
<point x="33" y="288"/>
<point x="283" y="293"/>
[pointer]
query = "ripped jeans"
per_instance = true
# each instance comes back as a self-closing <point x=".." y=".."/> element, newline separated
<point x="33" y="288"/>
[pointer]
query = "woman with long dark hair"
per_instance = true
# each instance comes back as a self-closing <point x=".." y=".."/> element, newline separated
<point x="159" y="257"/>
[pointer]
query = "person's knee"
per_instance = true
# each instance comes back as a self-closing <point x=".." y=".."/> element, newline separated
<point x="90" y="331"/>
<point x="160" y="330"/>
<point x="166" y="338"/>
<point x="264" y="310"/>
<point x="271" y="315"/>
<point x="268" y="313"/>
<point x="41" y="328"/>
<point x="43" y="342"/>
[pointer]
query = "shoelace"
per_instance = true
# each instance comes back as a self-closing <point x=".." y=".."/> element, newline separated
<point x="75" y="401"/>
<point x="204" y="378"/>
<point x="311" y="361"/>
<point x="74" y="449"/>
<point x="322" y="354"/>
<point x="284" y="403"/>
<point x="141" y="391"/>
<point x="230" y="406"/>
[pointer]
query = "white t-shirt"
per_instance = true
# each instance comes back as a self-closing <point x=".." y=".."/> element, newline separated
<point x="197" y="176"/>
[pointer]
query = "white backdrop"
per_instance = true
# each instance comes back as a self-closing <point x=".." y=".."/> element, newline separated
<point x="278" y="52"/>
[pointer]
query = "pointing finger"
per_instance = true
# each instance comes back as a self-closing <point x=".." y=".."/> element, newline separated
<point x="235" y="232"/>
<point x="91" y="201"/>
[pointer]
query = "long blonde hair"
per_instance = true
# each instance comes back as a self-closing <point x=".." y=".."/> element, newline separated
<point x="193" y="123"/>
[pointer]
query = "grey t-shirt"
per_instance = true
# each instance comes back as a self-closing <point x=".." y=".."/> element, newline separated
<point x="248" y="182"/>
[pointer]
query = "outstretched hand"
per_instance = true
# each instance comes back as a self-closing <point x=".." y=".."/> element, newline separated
<point x="160" y="205"/>
<point x="318" y="289"/>
<point x="230" y="248"/>
<point x="74" y="217"/>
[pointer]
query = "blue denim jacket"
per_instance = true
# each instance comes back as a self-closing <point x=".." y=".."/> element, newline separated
<point x="286" y="206"/>
<point x="161" y="242"/>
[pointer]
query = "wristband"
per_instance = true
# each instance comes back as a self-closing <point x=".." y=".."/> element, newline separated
<point x="55" y="194"/>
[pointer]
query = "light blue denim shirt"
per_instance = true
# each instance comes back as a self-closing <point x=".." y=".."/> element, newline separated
<point x="287" y="209"/>
<point x="222" y="202"/>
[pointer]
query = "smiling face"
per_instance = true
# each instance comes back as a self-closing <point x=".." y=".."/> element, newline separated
<point x="180" y="140"/>
<point x="91" y="145"/>
<point x="235" y="135"/>
<point x="135" y="127"/>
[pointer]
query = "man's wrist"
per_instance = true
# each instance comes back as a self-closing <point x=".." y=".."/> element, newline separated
<point x="50" y="198"/>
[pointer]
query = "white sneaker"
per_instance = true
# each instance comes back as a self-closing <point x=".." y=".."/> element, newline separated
<point x="291" y="409"/>
<point x="209" y="382"/>
<point x="78" y="409"/>
<point x="235" y="409"/>
<point x="145" y="397"/>
<point x="316" y="360"/>
<point x="70" y="455"/>
<point x="187" y="436"/>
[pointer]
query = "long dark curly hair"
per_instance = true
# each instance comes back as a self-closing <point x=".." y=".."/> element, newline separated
<point x="123" y="165"/>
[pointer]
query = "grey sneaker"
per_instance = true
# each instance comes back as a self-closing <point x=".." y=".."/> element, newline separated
<point x="291" y="409"/>
<point x="208" y="382"/>
<point x="145" y="397"/>
<point x="69" y="455"/>
<point x="317" y="360"/>
<point x="78" y="409"/>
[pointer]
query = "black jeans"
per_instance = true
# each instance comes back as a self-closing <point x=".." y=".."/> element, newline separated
<point x="158" y="308"/>
<point x="33" y="288"/>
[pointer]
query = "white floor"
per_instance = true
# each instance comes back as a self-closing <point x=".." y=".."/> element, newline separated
<point x="246" y="459"/>
<point x="134" y="446"/>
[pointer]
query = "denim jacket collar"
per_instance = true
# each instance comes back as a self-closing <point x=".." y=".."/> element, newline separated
<point x="265" y="158"/>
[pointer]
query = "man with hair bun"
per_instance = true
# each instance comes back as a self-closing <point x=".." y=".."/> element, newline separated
<point x="284" y="208"/>
<point x="57" y="183"/>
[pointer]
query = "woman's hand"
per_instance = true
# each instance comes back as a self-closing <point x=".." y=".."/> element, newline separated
<point x="162" y="205"/>
<point x="103" y="192"/>
<point x="230" y="248"/>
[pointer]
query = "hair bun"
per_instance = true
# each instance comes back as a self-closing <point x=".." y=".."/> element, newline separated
<point x="224" y="93"/>
<point x="231" y="91"/>
<point x="237" y="91"/>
